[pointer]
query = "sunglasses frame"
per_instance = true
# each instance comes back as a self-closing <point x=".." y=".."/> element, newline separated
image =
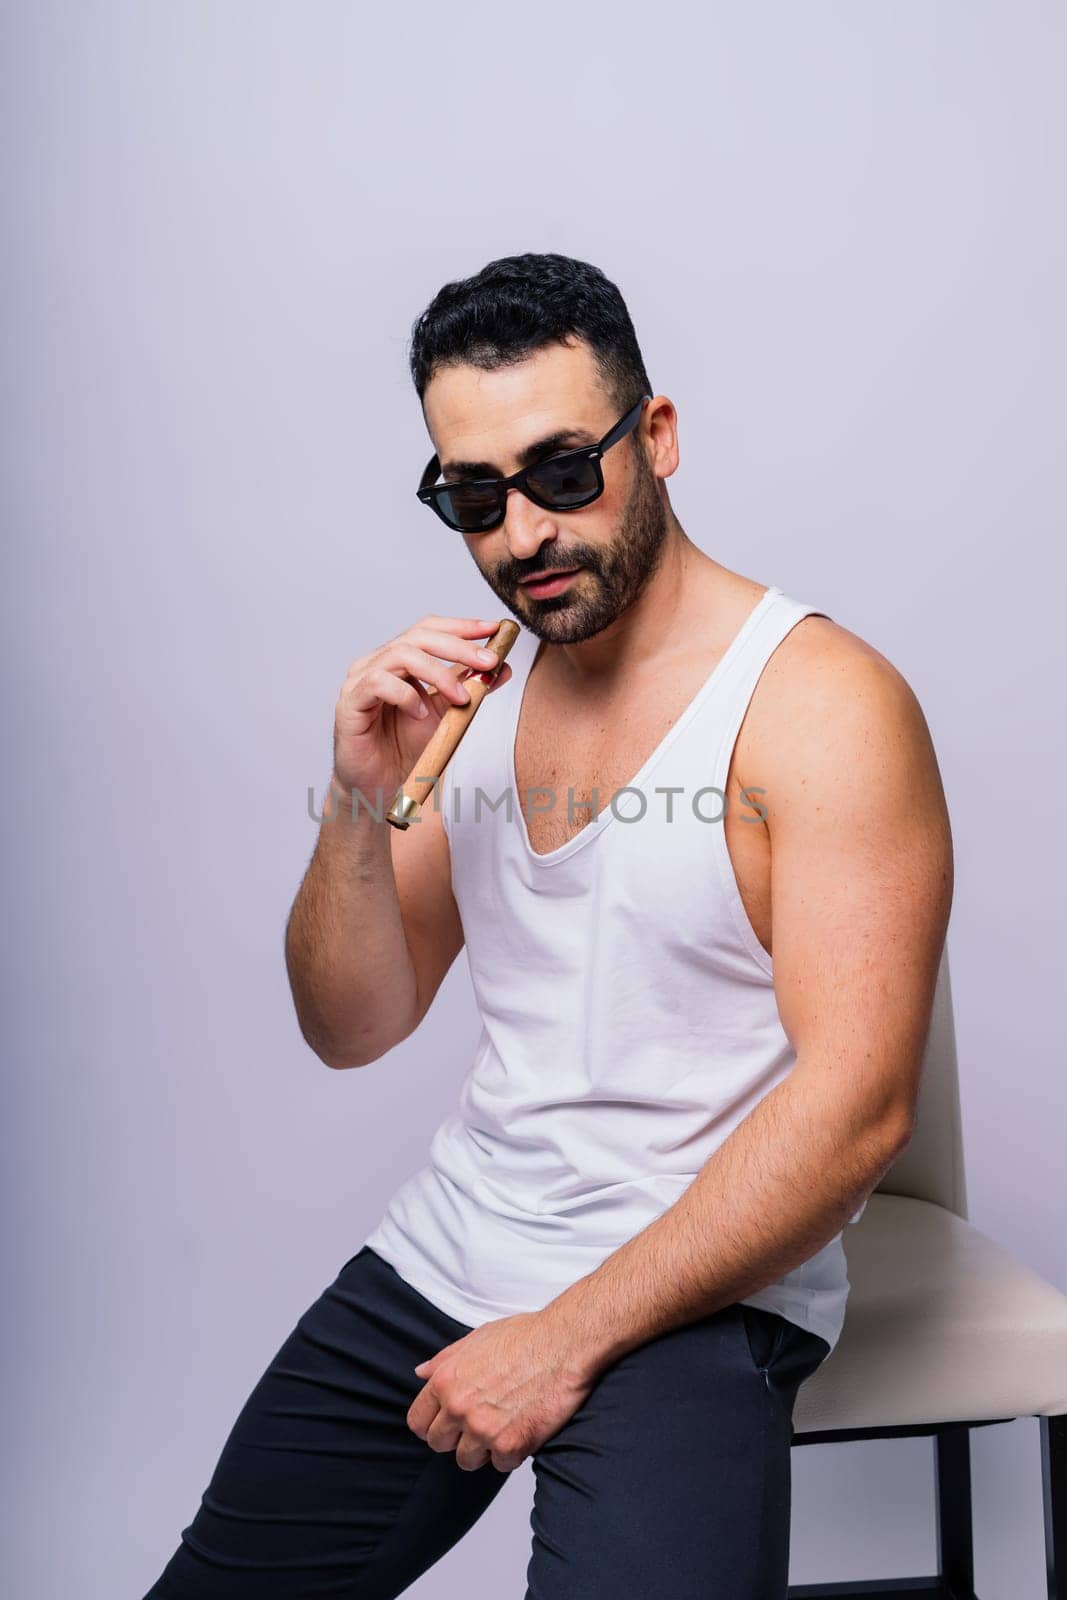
<point x="430" y="493"/>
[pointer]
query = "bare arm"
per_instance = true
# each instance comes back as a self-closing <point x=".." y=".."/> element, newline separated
<point x="374" y="926"/>
<point x="372" y="932"/>
<point x="861" y="865"/>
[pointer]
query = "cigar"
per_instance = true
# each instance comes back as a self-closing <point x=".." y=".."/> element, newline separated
<point x="450" y="730"/>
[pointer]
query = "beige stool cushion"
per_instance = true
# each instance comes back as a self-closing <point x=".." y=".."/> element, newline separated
<point x="941" y="1325"/>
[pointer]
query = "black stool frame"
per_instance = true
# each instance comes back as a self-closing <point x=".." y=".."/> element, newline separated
<point x="954" y="1579"/>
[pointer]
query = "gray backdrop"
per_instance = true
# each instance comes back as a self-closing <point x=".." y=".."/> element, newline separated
<point x="839" y="231"/>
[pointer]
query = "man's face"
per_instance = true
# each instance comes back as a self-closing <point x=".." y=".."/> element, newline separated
<point x="487" y="420"/>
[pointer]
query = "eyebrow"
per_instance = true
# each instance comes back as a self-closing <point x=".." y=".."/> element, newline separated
<point x="549" y="445"/>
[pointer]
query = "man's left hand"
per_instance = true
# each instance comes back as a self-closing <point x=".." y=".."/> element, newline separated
<point x="499" y="1392"/>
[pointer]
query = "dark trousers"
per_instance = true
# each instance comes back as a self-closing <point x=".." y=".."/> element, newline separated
<point x="671" y="1479"/>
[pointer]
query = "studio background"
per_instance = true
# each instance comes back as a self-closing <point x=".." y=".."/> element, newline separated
<point x="839" y="231"/>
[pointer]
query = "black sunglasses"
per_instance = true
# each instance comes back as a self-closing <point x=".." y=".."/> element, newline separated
<point x="559" y="483"/>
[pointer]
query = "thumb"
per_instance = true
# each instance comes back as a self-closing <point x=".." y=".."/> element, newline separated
<point x="425" y="1368"/>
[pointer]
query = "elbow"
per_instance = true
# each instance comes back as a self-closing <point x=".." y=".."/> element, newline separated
<point x="899" y="1128"/>
<point x="341" y="1056"/>
<point x="331" y="1052"/>
<point x="338" y="1063"/>
<point x="360" y="1041"/>
<point x="894" y="1134"/>
<point x="886" y="1120"/>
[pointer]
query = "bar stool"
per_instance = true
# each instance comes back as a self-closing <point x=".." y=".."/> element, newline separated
<point x="945" y="1331"/>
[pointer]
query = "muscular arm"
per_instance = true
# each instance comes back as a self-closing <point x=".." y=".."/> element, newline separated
<point x="861" y="888"/>
<point x="372" y="932"/>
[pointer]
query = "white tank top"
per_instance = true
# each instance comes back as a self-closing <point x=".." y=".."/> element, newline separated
<point x="629" y="1020"/>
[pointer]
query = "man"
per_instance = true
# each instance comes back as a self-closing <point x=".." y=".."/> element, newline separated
<point x="705" y="976"/>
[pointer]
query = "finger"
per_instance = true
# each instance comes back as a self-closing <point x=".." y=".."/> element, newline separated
<point x="381" y="685"/>
<point x="470" y="1456"/>
<point x="462" y="627"/>
<point x="422" y="1411"/>
<point x="444" y="644"/>
<point x="490" y="677"/>
<point x="404" y="657"/>
<point x="438" y="1355"/>
<point x="444" y="1433"/>
<point x="377" y="688"/>
<point x="502" y="675"/>
<point x="424" y="698"/>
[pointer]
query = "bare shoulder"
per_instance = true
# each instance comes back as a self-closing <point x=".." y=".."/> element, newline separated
<point x="819" y="655"/>
<point x="825" y="689"/>
<point x="837" y="740"/>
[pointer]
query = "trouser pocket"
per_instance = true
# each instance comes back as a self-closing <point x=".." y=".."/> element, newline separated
<point x="765" y="1331"/>
<point x="784" y="1353"/>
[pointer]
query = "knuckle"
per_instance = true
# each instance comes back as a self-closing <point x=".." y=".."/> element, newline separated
<point x="486" y="1424"/>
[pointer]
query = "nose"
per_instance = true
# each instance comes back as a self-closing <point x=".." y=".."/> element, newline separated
<point x="526" y="526"/>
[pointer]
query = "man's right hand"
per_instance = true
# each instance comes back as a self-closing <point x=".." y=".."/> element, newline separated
<point x="386" y="714"/>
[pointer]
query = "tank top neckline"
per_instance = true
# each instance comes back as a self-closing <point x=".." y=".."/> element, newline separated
<point x="597" y="825"/>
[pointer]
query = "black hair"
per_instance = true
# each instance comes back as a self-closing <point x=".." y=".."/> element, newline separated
<point x="518" y="304"/>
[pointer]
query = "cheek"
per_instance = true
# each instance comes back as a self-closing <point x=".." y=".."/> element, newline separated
<point x="486" y="553"/>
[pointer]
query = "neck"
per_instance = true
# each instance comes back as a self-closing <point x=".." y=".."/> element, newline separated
<point x="676" y="596"/>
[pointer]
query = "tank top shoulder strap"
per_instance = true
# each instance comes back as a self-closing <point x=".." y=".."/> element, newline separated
<point x="777" y="616"/>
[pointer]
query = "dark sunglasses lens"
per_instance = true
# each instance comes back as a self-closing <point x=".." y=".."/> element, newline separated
<point x="470" y="506"/>
<point x="565" y="483"/>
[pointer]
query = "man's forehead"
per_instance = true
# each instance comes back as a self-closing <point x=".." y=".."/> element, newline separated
<point x="490" y="418"/>
<point x="501" y="451"/>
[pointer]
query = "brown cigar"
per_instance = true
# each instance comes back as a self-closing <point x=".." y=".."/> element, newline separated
<point x="450" y="730"/>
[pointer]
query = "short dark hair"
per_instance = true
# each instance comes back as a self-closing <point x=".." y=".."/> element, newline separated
<point x="519" y="304"/>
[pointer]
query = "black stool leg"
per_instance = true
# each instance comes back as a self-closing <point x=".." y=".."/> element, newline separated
<point x="1054" y="1496"/>
<point x="955" y="1540"/>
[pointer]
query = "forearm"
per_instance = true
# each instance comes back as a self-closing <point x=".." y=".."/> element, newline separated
<point x="780" y="1187"/>
<point x="350" y="969"/>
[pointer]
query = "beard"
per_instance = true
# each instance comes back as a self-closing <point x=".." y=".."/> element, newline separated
<point x="613" y="576"/>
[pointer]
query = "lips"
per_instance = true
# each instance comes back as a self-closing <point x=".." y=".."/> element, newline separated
<point x="549" y="577"/>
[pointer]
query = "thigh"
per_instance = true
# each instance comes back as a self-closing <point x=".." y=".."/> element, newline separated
<point x="321" y="1487"/>
<point x="673" y="1477"/>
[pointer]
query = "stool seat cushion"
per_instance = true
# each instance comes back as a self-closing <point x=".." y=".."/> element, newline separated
<point x="941" y="1325"/>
